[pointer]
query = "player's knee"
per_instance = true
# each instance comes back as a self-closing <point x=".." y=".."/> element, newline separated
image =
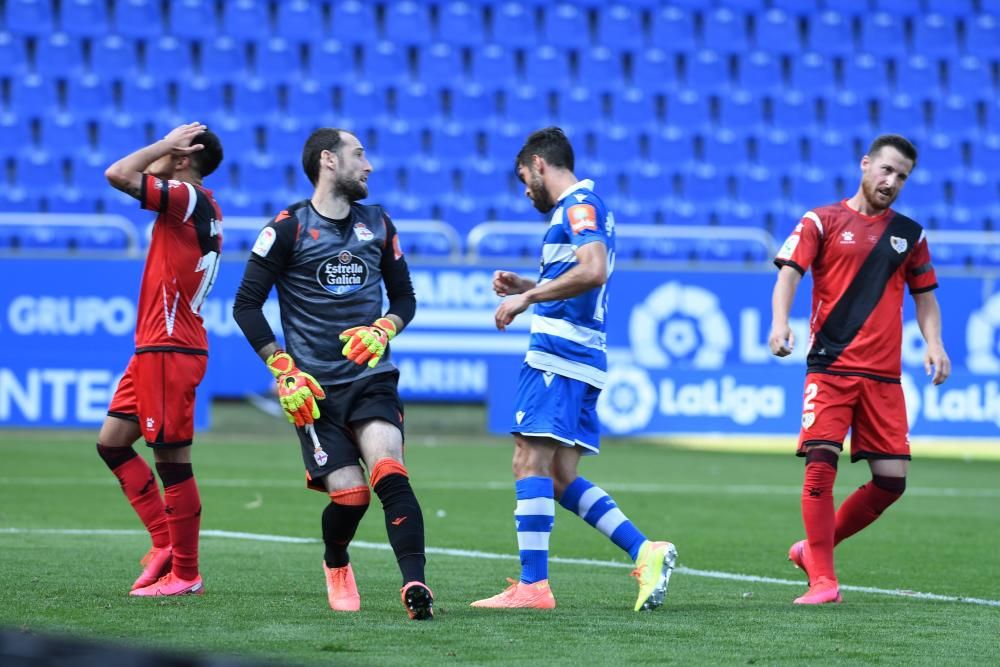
<point x="384" y="468"/>
<point x="895" y="485"/>
<point x="820" y="454"/>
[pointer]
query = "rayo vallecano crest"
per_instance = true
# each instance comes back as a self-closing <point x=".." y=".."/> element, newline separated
<point x="898" y="244"/>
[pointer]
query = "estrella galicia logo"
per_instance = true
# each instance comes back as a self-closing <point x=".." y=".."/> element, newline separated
<point x="342" y="274"/>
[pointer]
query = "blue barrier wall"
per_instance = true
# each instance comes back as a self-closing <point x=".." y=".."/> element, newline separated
<point x="688" y="350"/>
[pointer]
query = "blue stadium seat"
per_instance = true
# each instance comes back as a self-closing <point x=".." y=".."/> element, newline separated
<point x="865" y="75"/>
<point x="812" y="74"/>
<point x="935" y="36"/>
<point x="428" y="178"/>
<point x="725" y="31"/>
<point x="514" y="26"/>
<point x="245" y="19"/>
<point x="402" y="206"/>
<point x="760" y="72"/>
<point x="168" y="58"/>
<point x="59" y="55"/>
<point x="703" y="184"/>
<point x="29" y="17"/>
<point x="426" y="244"/>
<point x="143" y="96"/>
<point x="261" y="172"/>
<point x="654" y="70"/>
<point x="13" y="55"/>
<point x="255" y="98"/>
<point x="193" y="19"/>
<point x="620" y="27"/>
<point x="724" y="147"/>
<point x="415" y="103"/>
<point x="671" y="145"/>
<point x="970" y="77"/>
<point x="992" y="110"/>
<point x="330" y="62"/>
<point x="138" y="18"/>
<point x="798" y="7"/>
<point x="37" y="171"/>
<point x="903" y="115"/>
<point x="63" y="134"/>
<point x="42" y="237"/>
<point x="904" y="8"/>
<point x="463" y="213"/>
<point x="633" y="107"/>
<point x="353" y="22"/>
<point x="793" y="112"/>
<point x="386" y="63"/>
<point x="547" y="68"/>
<point x="688" y="108"/>
<point x="881" y="35"/>
<point x="579" y="110"/>
<point x="471" y="104"/>
<point x="565" y="26"/>
<point x="707" y="72"/>
<point x="940" y="154"/>
<point x="984" y="153"/>
<point x="15" y="199"/>
<point x="113" y="57"/>
<point x="493" y="66"/>
<point x="982" y="36"/>
<point x="832" y="151"/>
<point x="223" y="58"/>
<point x="616" y="146"/>
<point x="741" y="110"/>
<point x="742" y="214"/>
<point x="648" y="183"/>
<point x="277" y="59"/>
<point x="198" y="97"/>
<point x="300" y="21"/>
<point x="829" y="33"/>
<point x="516" y="208"/>
<point x="454" y="142"/>
<point x="917" y="76"/>
<point x="776" y="147"/>
<point x="89" y="96"/>
<point x="499" y="245"/>
<point x="600" y="68"/>
<point x="407" y="23"/>
<point x="812" y="187"/>
<point x="236" y="202"/>
<point x="482" y="180"/>
<point x="77" y="200"/>
<point x="952" y="8"/>
<point x="673" y="30"/>
<point x="956" y="115"/>
<point x="975" y="190"/>
<point x="847" y="113"/>
<point x="758" y="186"/>
<point x="14" y="128"/>
<point x="33" y="93"/>
<point x="503" y="143"/>
<point x="399" y="142"/>
<point x="461" y="23"/>
<point x="923" y="191"/>
<point x="361" y="101"/>
<point x="440" y="64"/>
<point x="120" y="134"/>
<point x="777" y="32"/>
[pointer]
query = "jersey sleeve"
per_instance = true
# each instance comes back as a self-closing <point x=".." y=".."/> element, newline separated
<point x="396" y="275"/>
<point x="920" y="274"/>
<point x="584" y="224"/>
<point x="275" y="242"/>
<point x="173" y="200"/>
<point x="802" y="245"/>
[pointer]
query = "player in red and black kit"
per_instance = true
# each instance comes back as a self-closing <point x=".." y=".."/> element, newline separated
<point x="155" y="398"/>
<point x="862" y="254"/>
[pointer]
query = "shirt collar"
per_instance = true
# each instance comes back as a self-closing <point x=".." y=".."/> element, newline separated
<point x="585" y="184"/>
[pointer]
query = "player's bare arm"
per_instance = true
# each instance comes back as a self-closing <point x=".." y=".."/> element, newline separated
<point x="591" y="271"/>
<point x="929" y="320"/>
<point x="506" y="283"/>
<point x="126" y="174"/>
<point x="782" y="339"/>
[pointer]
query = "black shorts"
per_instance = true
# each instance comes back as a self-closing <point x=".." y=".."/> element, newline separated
<point x="373" y="397"/>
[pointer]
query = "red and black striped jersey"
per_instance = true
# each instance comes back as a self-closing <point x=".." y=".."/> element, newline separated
<point x="860" y="264"/>
<point x="181" y="265"/>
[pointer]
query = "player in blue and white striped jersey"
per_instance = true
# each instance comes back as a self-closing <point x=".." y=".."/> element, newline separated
<point x="563" y="372"/>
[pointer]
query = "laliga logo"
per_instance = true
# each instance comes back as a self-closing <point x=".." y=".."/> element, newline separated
<point x="627" y="401"/>
<point x="981" y="338"/>
<point x="678" y="322"/>
<point x="911" y="396"/>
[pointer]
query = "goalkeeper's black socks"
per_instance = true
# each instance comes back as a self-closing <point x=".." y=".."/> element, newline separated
<point x="404" y="522"/>
<point x="340" y="521"/>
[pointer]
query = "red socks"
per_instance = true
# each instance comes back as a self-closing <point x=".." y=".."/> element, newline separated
<point x="818" y="513"/>
<point x="866" y="504"/>
<point x="183" y="510"/>
<point x="139" y="485"/>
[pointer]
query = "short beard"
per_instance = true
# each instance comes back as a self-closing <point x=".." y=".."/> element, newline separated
<point x="540" y="196"/>
<point x="352" y="190"/>
<point x="871" y="194"/>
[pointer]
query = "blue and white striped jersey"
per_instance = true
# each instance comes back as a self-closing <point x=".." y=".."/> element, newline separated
<point x="568" y="336"/>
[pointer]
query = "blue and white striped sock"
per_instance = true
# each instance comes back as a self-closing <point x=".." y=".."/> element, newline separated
<point x="596" y="507"/>
<point x="534" y="516"/>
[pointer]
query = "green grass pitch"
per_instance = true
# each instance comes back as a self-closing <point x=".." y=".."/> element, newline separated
<point x="728" y="513"/>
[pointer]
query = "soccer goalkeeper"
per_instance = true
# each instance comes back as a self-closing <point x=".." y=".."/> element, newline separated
<point x="329" y="257"/>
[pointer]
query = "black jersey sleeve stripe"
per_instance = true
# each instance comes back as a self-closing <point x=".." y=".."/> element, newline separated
<point x="921" y="290"/>
<point x="787" y="262"/>
<point x="921" y="270"/>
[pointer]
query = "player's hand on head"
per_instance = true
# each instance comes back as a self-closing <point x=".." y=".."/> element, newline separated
<point x="936" y="360"/>
<point x="781" y="341"/>
<point x="179" y="139"/>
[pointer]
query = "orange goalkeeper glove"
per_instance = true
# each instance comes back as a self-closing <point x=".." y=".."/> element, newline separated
<point x="297" y="391"/>
<point x="368" y="344"/>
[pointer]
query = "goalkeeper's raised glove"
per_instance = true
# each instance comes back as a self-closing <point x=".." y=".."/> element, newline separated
<point x="297" y="391"/>
<point x="368" y="344"/>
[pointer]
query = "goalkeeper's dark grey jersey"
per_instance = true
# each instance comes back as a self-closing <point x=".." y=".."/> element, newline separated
<point x="329" y="275"/>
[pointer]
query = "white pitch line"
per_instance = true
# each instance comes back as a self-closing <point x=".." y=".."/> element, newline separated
<point x="497" y="485"/>
<point x="486" y="555"/>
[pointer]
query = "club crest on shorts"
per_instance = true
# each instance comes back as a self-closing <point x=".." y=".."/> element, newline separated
<point x="320" y="457"/>
<point x="898" y="244"/>
<point x="808" y="419"/>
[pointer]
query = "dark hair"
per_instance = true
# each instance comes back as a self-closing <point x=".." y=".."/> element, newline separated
<point x="323" y="139"/>
<point x="208" y="159"/>
<point x="897" y="141"/>
<point x="551" y="145"/>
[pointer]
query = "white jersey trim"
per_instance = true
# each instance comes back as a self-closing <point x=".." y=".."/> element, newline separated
<point x="558" y="252"/>
<point x="545" y="361"/>
<point x="595" y="340"/>
<point x="815" y="218"/>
